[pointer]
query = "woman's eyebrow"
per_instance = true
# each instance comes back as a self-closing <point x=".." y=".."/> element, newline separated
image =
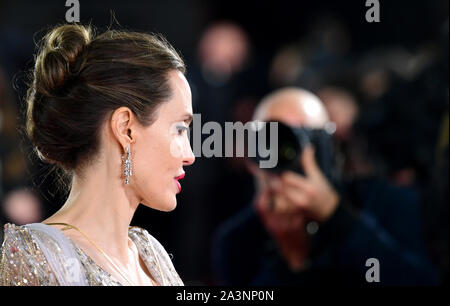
<point x="187" y="118"/>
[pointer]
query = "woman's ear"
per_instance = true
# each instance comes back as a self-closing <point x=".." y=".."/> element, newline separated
<point x="122" y="125"/>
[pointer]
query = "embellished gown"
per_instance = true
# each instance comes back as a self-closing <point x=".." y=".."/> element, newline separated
<point x="37" y="254"/>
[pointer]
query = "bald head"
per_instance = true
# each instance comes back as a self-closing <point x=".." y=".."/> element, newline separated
<point x="294" y="107"/>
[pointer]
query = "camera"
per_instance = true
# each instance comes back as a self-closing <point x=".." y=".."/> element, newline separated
<point x="291" y="142"/>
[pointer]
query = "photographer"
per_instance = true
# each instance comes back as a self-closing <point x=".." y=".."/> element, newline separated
<point x="303" y="229"/>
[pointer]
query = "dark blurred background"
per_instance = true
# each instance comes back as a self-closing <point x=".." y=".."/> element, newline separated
<point x="384" y="84"/>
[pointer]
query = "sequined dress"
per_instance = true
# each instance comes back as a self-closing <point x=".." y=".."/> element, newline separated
<point x="41" y="255"/>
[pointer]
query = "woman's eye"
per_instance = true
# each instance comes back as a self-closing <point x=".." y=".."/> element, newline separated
<point x="181" y="129"/>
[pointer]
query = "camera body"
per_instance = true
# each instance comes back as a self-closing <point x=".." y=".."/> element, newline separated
<point x="290" y="145"/>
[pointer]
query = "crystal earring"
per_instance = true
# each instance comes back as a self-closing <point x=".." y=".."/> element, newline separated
<point x="127" y="171"/>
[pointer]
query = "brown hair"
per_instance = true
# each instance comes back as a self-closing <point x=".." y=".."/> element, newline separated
<point x="80" y="78"/>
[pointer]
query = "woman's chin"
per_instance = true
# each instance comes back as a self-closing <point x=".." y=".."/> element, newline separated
<point x="174" y="204"/>
<point x="167" y="206"/>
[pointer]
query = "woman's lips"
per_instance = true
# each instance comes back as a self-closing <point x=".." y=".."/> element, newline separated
<point x="180" y="177"/>
<point x="177" y="182"/>
<point x="178" y="186"/>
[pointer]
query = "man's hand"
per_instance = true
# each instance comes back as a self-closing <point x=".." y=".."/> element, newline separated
<point x="284" y="221"/>
<point x="311" y="193"/>
<point x="285" y="202"/>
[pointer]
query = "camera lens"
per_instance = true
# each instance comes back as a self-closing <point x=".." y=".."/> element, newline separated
<point x="288" y="143"/>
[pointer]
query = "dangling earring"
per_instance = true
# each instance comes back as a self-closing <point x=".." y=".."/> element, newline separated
<point x="127" y="170"/>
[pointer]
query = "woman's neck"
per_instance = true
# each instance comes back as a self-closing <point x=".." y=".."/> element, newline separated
<point x="102" y="208"/>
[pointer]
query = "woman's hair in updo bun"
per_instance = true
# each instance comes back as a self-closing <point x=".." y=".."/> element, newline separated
<point x="58" y="57"/>
<point x="80" y="78"/>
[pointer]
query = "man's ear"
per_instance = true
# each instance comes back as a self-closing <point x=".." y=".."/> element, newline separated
<point x="261" y="177"/>
<point x="252" y="168"/>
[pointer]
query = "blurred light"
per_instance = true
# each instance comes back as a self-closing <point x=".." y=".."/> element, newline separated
<point x="330" y="127"/>
<point x="312" y="227"/>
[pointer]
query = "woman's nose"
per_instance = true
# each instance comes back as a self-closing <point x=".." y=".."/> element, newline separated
<point x="189" y="157"/>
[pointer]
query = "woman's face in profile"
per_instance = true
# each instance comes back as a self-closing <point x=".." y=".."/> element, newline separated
<point x="164" y="149"/>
